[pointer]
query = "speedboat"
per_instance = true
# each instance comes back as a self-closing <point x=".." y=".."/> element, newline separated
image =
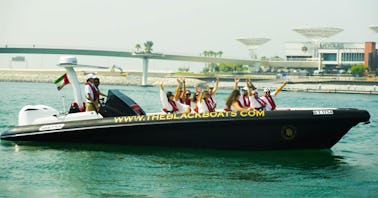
<point x="121" y="120"/>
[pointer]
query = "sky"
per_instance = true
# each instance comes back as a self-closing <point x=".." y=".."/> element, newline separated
<point x="176" y="26"/>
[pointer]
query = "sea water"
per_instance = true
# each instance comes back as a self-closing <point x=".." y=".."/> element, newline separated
<point x="349" y="169"/>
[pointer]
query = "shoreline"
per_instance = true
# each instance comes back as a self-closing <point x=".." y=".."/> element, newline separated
<point x="295" y="84"/>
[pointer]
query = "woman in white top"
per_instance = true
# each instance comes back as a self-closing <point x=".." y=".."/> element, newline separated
<point x="244" y="99"/>
<point x="204" y="103"/>
<point x="233" y="103"/>
<point x="212" y="91"/>
<point x="169" y="104"/>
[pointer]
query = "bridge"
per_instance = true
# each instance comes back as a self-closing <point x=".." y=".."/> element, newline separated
<point x="146" y="56"/>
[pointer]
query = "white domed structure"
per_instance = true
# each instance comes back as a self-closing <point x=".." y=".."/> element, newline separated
<point x="253" y="44"/>
<point x="317" y="34"/>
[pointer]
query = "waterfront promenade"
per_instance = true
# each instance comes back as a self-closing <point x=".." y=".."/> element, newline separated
<point x="295" y="83"/>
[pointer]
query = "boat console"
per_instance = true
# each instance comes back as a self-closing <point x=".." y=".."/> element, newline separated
<point x="118" y="104"/>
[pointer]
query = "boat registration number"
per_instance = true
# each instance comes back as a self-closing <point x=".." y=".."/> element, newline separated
<point x="51" y="127"/>
<point x="322" y="112"/>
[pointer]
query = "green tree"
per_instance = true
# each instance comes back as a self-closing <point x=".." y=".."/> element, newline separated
<point x="216" y="68"/>
<point x="228" y="67"/>
<point x="205" y="70"/>
<point x="264" y="58"/>
<point x="205" y="53"/>
<point x="211" y="53"/>
<point x="212" y="67"/>
<point x="220" y="53"/>
<point x="137" y="47"/>
<point x="148" y="46"/>
<point x="358" y="70"/>
<point x="276" y="58"/>
<point x="265" y="61"/>
<point x="183" y="69"/>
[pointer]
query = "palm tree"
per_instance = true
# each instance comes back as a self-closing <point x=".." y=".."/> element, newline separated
<point x="205" y="53"/>
<point x="137" y="47"/>
<point x="276" y="58"/>
<point x="264" y="58"/>
<point x="211" y="65"/>
<point x="220" y="53"/>
<point x="217" y="66"/>
<point x="148" y="46"/>
<point x="211" y="53"/>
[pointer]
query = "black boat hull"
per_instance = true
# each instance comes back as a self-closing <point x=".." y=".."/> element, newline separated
<point x="274" y="130"/>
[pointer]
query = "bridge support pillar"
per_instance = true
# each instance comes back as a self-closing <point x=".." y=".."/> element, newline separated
<point x="145" y="71"/>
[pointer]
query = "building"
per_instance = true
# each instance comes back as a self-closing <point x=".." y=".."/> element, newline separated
<point x="334" y="56"/>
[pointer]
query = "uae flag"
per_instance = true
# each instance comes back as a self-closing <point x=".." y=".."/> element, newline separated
<point x="62" y="81"/>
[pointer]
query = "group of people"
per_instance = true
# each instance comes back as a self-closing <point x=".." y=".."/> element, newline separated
<point x="92" y="93"/>
<point x="203" y="100"/>
<point x="248" y="99"/>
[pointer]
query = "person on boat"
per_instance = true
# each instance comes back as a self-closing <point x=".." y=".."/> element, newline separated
<point x="170" y="105"/>
<point x="194" y="101"/>
<point x="244" y="98"/>
<point x="245" y="93"/>
<point x="180" y="90"/>
<point x="74" y="108"/>
<point x="212" y="91"/>
<point x="233" y="102"/>
<point x="268" y="98"/>
<point x="204" y="102"/>
<point x="185" y="97"/>
<point x="91" y="94"/>
<point x="182" y="94"/>
<point x="97" y="84"/>
<point x="257" y="103"/>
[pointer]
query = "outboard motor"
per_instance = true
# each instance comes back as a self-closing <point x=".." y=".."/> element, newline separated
<point x="118" y="104"/>
<point x="29" y="113"/>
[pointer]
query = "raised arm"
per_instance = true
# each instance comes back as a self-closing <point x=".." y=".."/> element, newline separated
<point x="236" y="83"/>
<point x="280" y="88"/>
<point x="163" y="96"/>
<point x="200" y="97"/>
<point x="177" y="90"/>
<point x="247" y="82"/>
<point x="250" y="84"/>
<point x="184" y="91"/>
<point x="162" y="86"/>
<point x="216" y="86"/>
